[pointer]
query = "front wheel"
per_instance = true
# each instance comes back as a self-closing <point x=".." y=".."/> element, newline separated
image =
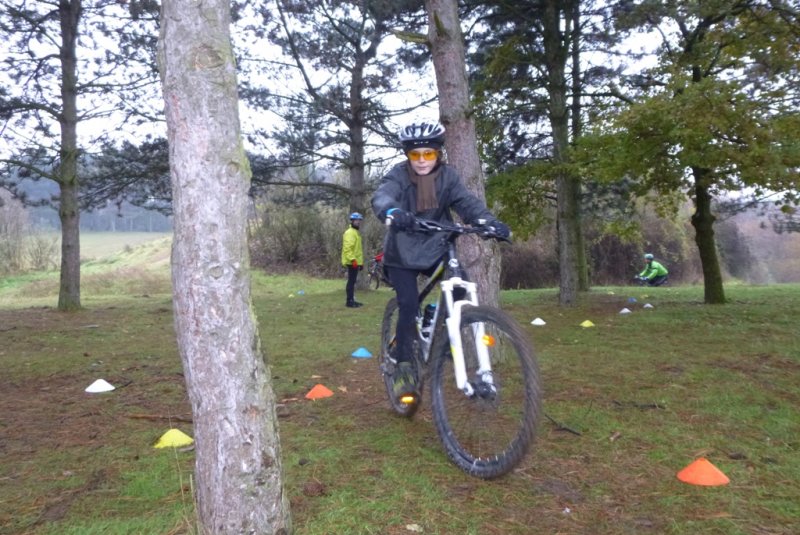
<point x="487" y="433"/>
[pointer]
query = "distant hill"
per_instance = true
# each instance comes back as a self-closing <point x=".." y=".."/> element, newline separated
<point x="111" y="218"/>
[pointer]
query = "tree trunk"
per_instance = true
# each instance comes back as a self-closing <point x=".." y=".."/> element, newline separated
<point x="356" y="160"/>
<point x="481" y="258"/>
<point x="69" y="293"/>
<point x="238" y="458"/>
<point x="577" y="131"/>
<point x="703" y="223"/>
<point x="571" y="257"/>
<point x="569" y="239"/>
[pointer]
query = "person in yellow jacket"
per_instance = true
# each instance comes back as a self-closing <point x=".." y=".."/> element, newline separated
<point x="352" y="257"/>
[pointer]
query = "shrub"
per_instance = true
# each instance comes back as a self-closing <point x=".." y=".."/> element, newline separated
<point x="530" y="264"/>
<point x="22" y="249"/>
<point x="13" y="229"/>
<point x="306" y="239"/>
<point x="42" y="252"/>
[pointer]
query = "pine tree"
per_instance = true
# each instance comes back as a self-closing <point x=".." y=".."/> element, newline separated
<point x="62" y="67"/>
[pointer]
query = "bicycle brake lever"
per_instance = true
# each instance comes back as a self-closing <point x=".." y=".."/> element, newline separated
<point x="425" y="224"/>
<point x="486" y="233"/>
<point x="489" y="231"/>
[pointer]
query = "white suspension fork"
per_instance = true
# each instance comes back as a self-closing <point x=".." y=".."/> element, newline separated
<point x="454" y="334"/>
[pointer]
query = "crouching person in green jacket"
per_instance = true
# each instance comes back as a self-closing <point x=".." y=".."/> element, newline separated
<point x="654" y="273"/>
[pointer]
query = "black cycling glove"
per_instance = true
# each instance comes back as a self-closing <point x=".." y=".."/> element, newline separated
<point x="501" y="229"/>
<point x="401" y="219"/>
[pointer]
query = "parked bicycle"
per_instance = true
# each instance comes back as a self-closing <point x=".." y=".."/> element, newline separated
<point x="377" y="272"/>
<point x="484" y="379"/>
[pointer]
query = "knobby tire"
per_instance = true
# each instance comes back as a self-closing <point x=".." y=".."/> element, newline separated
<point x="487" y="436"/>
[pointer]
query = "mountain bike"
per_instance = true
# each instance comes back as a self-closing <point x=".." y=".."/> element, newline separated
<point x="484" y="378"/>
<point x="377" y="275"/>
<point x="642" y="281"/>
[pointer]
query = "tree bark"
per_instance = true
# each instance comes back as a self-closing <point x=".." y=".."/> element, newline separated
<point x="481" y="258"/>
<point x="703" y="223"/>
<point x="568" y="227"/>
<point x="577" y="131"/>
<point x="69" y="293"/>
<point x="357" y="142"/>
<point x="571" y="256"/>
<point x="238" y="459"/>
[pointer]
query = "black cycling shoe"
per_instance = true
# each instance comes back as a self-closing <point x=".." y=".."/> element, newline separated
<point x="354" y="304"/>
<point x="404" y="383"/>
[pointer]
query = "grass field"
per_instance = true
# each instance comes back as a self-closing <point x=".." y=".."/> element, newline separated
<point x="96" y="245"/>
<point x="628" y="403"/>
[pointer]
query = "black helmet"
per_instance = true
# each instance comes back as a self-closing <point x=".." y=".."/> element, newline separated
<point x="422" y="135"/>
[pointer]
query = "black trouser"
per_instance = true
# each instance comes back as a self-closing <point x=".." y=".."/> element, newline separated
<point x="404" y="282"/>
<point x="350" y="288"/>
<point x="657" y="281"/>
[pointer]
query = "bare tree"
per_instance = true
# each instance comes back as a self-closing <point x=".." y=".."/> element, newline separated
<point x="333" y="110"/>
<point x="238" y="466"/>
<point x="447" y="47"/>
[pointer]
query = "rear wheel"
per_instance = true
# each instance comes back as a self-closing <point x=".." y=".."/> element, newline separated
<point x="489" y="432"/>
<point x="387" y="363"/>
<point x="374" y="276"/>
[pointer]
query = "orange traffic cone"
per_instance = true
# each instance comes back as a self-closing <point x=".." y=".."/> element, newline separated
<point x="319" y="391"/>
<point x="702" y="472"/>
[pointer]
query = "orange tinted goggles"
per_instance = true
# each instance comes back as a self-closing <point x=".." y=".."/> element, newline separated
<point x="428" y="155"/>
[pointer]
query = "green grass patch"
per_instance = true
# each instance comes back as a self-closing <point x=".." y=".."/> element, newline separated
<point x="102" y="245"/>
<point x="628" y="403"/>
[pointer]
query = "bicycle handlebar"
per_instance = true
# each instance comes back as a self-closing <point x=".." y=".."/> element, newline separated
<point x="482" y="229"/>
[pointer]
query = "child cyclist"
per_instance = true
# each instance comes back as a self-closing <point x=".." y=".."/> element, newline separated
<point x="422" y="186"/>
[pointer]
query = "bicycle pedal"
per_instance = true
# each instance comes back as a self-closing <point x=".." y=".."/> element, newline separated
<point x="409" y="399"/>
<point x="485" y="391"/>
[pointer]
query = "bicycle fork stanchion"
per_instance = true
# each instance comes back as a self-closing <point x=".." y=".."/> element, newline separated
<point x="453" y="332"/>
<point x="483" y="342"/>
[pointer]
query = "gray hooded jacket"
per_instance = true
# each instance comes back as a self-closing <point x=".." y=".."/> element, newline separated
<point x="416" y="250"/>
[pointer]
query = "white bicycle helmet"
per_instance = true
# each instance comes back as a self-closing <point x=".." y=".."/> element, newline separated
<point x="648" y="256"/>
<point x="422" y="134"/>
